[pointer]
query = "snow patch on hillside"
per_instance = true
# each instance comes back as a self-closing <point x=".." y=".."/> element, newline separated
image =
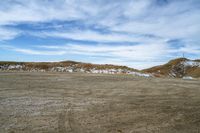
<point x="191" y="64"/>
<point x="141" y="74"/>
<point x="188" y="78"/>
<point x="11" y="67"/>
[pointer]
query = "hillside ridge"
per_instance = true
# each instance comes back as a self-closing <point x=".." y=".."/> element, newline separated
<point x="179" y="68"/>
<point x="69" y="66"/>
<point x="176" y="68"/>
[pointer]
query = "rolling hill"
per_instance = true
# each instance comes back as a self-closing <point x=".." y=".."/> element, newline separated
<point x="69" y="66"/>
<point x="178" y="68"/>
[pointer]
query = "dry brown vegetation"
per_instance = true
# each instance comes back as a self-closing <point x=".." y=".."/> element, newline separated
<point x="97" y="103"/>
<point x="48" y="65"/>
<point x="164" y="69"/>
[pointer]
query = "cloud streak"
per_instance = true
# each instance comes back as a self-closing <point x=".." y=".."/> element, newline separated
<point x="33" y="52"/>
<point x="7" y="33"/>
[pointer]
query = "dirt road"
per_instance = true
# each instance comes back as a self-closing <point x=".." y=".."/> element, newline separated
<point x="95" y="103"/>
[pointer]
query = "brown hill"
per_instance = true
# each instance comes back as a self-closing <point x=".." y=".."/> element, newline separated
<point x="179" y="68"/>
<point x="70" y="65"/>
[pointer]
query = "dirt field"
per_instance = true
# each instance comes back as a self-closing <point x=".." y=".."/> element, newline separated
<point x="95" y="103"/>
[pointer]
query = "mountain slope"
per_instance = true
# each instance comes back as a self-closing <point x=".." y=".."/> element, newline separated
<point x="178" y="68"/>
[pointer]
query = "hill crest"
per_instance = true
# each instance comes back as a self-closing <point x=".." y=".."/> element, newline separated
<point x="179" y="68"/>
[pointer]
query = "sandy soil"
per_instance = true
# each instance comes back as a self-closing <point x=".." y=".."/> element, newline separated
<point x="95" y="103"/>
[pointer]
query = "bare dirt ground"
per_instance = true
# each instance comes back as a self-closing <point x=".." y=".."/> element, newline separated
<point x="95" y="103"/>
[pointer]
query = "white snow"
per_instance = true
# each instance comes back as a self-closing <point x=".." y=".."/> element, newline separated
<point x="191" y="64"/>
<point x="106" y="71"/>
<point x="11" y="67"/>
<point x="70" y="70"/>
<point x="15" y="67"/>
<point x="188" y="77"/>
<point x="62" y="69"/>
<point x="140" y="74"/>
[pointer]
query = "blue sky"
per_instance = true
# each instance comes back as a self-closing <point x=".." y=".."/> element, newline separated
<point x="135" y="33"/>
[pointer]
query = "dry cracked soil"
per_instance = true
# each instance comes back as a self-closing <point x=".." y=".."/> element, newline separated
<point x="97" y="103"/>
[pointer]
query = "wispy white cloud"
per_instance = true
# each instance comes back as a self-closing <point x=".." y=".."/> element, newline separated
<point x="136" y="52"/>
<point x="119" y="55"/>
<point x="18" y="11"/>
<point x="100" y="37"/>
<point x="7" y="33"/>
<point x="33" y="52"/>
<point x="139" y="16"/>
<point x="169" y="27"/>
